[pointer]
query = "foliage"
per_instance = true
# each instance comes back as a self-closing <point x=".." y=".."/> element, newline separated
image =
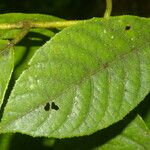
<point x="85" y="83"/>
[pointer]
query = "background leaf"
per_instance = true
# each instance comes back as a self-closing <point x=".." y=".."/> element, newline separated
<point x="6" y="67"/>
<point x="86" y="78"/>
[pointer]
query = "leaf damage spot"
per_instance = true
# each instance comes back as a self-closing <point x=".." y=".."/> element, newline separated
<point x="128" y="27"/>
<point x="54" y="106"/>
<point x="47" y="107"/>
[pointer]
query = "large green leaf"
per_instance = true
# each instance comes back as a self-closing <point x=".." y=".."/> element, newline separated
<point x="6" y="67"/>
<point x="86" y="78"/>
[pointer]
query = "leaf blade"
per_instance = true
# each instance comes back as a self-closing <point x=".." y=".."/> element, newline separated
<point x="93" y="82"/>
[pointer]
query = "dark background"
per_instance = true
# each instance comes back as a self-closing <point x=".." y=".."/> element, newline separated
<point x="76" y="9"/>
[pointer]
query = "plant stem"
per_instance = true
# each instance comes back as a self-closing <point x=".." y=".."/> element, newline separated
<point x="57" y="24"/>
<point x="108" y="8"/>
<point x="21" y="35"/>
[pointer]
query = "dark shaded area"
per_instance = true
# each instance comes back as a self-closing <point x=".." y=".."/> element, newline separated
<point x="24" y="142"/>
<point x="76" y="9"/>
<point x="131" y="7"/>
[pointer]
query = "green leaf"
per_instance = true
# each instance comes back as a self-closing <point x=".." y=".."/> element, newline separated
<point x="6" y="67"/>
<point x="135" y="136"/>
<point x="86" y="78"/>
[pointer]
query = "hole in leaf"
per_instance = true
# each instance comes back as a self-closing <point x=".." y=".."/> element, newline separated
<point x="54" y="106"/>
<point x="127" y="27"/>
<point x="47" y="107"/>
